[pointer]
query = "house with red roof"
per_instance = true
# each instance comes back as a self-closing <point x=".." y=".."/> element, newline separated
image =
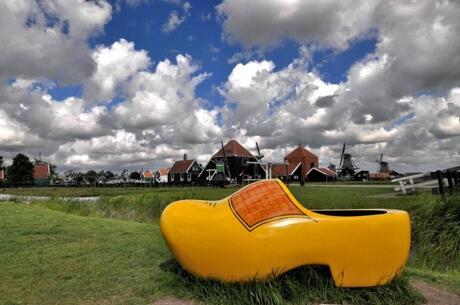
<point x="161" y="175"/>
<point x="287" y="171"/>
<point x="232" y="162"/>
<point x="321" y="174"/>
<point x="42" y="173"/>
<point x="184" y="171"/>
<point x="306" y="158"/>
<point x="147" y="176"/>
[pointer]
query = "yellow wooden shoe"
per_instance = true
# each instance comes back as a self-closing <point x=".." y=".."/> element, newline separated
<point x="262" y="229"/>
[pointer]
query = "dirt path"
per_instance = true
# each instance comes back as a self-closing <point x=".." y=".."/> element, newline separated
<point x="175" y="301"/>
<point x="435" y="296"/>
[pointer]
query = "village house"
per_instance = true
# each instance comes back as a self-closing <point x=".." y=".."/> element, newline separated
<point x="287" y="172"/>
<point x="306" y="158"/>
<point x="379" y="176"/>
<point x="147" y="176"/>
<point x="362" y="175"/>
<point x="2" y="175"/>
<point x="161" y="175"/>
<point x="184" y="171"/>
<point x="42" y="173"/>
<point x="232" y="162"/>
<point x="320" y="174"/>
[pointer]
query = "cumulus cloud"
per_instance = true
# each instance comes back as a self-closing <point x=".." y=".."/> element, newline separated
<point x="14" y="135"/>
<point x="164" y="102"/>
<point x="48" y="40"/>
<point x="48" y="118"/>
<point x="262" y="96"/>
<point x="280" y="108"/>
<point x="114" y="65"/>
<point x="159" y="118"/>
<point x="265" y="23"/>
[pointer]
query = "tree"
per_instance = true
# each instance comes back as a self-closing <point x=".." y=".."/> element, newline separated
<point x="79" y="179"/>
<point x="91" y="176"/>
<point x="135" y="175"/>
<point x="109" y="175"/>
<point x="21" y="170"/>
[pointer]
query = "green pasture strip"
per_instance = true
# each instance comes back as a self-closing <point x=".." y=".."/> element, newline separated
<point x="109" y="191"/>
<point x="47" y="257"/>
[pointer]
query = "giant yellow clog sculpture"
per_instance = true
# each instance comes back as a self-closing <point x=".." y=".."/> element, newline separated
<point x="263" y="230"/>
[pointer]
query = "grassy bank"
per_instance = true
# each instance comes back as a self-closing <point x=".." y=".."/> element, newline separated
<point x="146" y="206"/>
<point x="49" y="257"/>
<point x="105" y="191"/>
<point x="115" y="191"/>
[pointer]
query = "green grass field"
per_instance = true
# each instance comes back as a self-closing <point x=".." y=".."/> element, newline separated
<point x="111" y="191"/>
<point x="111" y="251"/>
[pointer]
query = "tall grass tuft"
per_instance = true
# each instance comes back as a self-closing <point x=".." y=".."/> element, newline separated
<point x="436" y="234"/>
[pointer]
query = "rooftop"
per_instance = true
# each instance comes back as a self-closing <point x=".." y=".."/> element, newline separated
<point x="233" y="149"/>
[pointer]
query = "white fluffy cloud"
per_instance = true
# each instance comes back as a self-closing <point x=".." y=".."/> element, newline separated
<point x="48" y="40"/>
<point x="48" y="118"/>
<point x="114" y="66"/>
<point x="159" y="118"/>
<point x="280" y="108"/>
<point x="164" y="103"/>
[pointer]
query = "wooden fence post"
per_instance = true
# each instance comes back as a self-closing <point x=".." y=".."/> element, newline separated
<point x="440" y="182"/>
<point x="402" y="186"/>
<point x="450" y="182"/>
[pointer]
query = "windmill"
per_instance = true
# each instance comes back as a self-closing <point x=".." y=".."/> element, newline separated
<point x="347" y="167"/>
<point x="259" y="155"/>
<point x="383" y="165"/>
<point x="265" y="165"/>
<point x="259" y="158"/>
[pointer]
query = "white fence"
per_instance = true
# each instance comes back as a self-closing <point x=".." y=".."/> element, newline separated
<point x="407" y="183"/>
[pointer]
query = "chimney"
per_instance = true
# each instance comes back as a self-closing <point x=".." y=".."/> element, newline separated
<point x="185" y="157"/>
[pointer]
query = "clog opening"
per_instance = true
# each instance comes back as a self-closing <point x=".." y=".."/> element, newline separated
<point x="349" y="212"/>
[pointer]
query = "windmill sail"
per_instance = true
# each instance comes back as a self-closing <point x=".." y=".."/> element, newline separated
<point x="341" y="155"/>
<point x="259" y="155"/>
